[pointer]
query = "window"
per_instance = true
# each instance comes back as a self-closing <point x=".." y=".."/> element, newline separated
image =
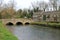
<point x="55" y="17"/>
<point x="44" y="17"/>
<point x="48" y="16"/>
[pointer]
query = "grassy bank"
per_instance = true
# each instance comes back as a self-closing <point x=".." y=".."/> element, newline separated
<point x="5" y="34"/>
<point x="47" y="24"/>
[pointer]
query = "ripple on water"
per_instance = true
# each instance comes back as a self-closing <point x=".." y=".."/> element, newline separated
<point x="33" y="32"/>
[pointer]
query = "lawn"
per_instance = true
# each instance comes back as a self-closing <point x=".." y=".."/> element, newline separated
<point x="47" y="24"/>
<point x="5" y="34"/>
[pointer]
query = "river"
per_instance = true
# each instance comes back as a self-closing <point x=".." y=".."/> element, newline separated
<point x="34" y="32"/>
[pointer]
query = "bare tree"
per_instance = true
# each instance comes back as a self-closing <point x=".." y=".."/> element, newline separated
<point x="1" y="3"/>
<point x="43" y="5"/>
<point x="4" y="12"/>
<point x="54" y="4"/>
<point x="8" y="9"/>
<point x="40" y="5"/>
<point x="12" y="4"/>
<point x="12" y="8"/>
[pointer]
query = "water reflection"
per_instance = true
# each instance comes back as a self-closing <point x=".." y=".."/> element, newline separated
<point x="34" y="32"/>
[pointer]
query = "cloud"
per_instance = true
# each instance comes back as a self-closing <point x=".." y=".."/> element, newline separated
<point x="24" y="3"/>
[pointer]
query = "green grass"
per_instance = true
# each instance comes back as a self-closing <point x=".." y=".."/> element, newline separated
<point x="39" y="23"/>
<point x="5" y="34"/>
<point x="47" y="23"/>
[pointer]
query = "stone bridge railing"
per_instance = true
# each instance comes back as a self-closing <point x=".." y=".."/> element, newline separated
<point x="14" y="21"/>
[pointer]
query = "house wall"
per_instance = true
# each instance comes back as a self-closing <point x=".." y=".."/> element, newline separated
<point x="53" y="16"/>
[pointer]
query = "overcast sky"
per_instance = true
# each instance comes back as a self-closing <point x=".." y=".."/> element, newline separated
<point x="21" y="4"/>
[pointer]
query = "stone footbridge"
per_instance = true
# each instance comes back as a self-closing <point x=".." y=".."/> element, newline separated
<point x="15" y="21"/>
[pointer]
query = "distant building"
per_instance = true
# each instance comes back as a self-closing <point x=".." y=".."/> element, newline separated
<point x="46" y="16"/>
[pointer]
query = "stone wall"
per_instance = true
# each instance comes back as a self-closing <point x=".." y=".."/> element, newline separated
<point x="50" y="16"/>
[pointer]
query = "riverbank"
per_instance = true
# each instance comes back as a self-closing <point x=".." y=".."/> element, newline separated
<point x="47" y="24"/>
<point x="5" y="34"/>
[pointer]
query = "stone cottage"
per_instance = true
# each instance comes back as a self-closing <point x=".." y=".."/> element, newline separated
<point x="47" y="16"/>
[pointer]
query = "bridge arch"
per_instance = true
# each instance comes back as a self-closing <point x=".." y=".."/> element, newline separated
<point x="27" y="23"/>
<point x="9" y="23"/>
<point x="16" y="21"/>
<point x="19" y="23"/>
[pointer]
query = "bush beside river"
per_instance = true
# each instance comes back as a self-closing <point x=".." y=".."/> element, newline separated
<point x="47" y="24"/>
<point x="5" y="34"/>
